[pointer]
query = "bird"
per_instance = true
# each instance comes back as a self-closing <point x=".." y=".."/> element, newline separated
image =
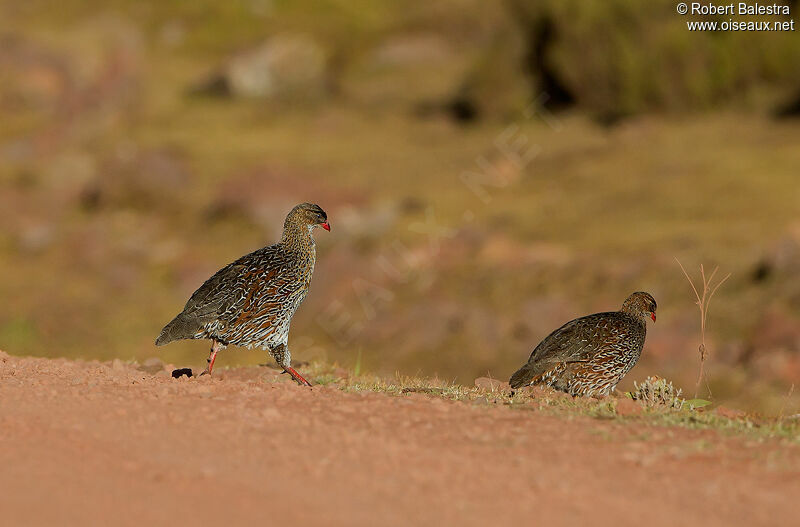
<point x="588" y="356"/>
<point x="251" y="301"/>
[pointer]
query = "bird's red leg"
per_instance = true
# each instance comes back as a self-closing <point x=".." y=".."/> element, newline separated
<point x="296" y="376"/>
<point x="211" y="358"/>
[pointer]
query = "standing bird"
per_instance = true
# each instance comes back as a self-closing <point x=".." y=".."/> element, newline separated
<point x="251" y="301"/>
<point x="589" y="355"/>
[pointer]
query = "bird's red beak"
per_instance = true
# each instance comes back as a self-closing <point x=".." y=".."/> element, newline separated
<point x="326" y="226"/>
<point x="653" y="316"/>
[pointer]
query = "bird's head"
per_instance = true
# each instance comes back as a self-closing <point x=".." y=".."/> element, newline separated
<point x="310" y="215"/>
<point x="641" y="304"/>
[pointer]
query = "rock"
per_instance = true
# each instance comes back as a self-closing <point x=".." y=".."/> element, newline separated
<point x="367" y="222"/>
<point x="142" y="179"/>
<point x="486" y="383"/>
<point x="628" y="407"/>
<point x="91" y="70"/>
<point x="495" y="83"/>
<point x="152" y="365"/>
<point x="263" y="194"/>
<point x="37" y="78"/>
<point x="783" y="256"/>
<point x="288" y="64"/>
<point x="181" y="372"/>
<point x="117" y="365"/>
<point x="36" y="238"/>
<point x="501" y="250"/>
<point x="776" y="330"/>
<point x="411" y="51"/>
<point x="773" y="350"/>
<point x="173" y="33"/>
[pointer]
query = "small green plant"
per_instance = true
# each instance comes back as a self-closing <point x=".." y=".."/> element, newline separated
<point x="657" y="392"/>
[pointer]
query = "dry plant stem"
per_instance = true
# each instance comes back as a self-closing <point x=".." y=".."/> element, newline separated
<point x="703" y="302"/>
<point x="785" y="400"/>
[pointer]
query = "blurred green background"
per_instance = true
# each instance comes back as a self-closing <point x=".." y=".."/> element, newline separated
<point x="490" y="170"/>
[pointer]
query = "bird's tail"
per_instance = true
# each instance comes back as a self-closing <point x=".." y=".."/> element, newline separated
<point x="178" y="328"/>
<point x="522" y="377"/>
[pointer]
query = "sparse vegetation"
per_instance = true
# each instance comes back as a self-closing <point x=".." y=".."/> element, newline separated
<point x="657" y="392"/>
<point x="663" y="403"/>
<point x="703" y="302"/>
<point x="601" y="53"/>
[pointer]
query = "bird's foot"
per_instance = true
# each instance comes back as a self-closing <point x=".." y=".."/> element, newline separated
<point x="296" y="376"/>
<point x="211" y="358"/>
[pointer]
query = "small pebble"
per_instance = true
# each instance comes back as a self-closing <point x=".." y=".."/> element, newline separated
<point x="152" y="366"/>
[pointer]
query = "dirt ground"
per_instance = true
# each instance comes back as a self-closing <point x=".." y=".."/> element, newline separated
<point x="105" y="443"/>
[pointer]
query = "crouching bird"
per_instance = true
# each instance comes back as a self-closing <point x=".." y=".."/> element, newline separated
<point x="588" y="356"/>
<point x="251" y="301"/>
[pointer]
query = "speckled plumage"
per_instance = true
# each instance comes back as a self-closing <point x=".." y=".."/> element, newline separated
<point x="588" y="356"/>
<point x="251" y="302"/>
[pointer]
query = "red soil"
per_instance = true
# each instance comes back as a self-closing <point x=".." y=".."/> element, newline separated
<point x="100" y="444"/>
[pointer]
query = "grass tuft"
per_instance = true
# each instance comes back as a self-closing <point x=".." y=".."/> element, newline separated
<point x="657" y="392"/>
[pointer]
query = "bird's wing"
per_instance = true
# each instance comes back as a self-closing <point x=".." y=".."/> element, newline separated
<point x="262" y="274"/>
<point x="575" y="341"/>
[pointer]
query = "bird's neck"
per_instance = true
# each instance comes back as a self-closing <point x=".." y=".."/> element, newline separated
<point x="297" y="237"/>
<point x="635" y="313"/>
